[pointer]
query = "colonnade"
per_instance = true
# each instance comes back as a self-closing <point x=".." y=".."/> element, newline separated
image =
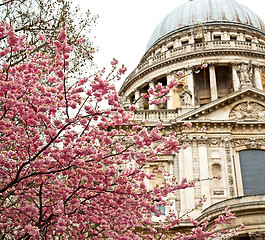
<point x="236" y="82"/>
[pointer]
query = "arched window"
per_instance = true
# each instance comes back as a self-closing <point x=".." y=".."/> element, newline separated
<point x="252" y="163"/>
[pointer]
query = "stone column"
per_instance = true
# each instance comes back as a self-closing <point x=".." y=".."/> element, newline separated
<point x="171" y="196"/>
<point x="137" y="96"/>
<point x="213" y="85"/>
<point x="170" y="101"/>
<point x="164" y="48"/>
<point x="191" y="41"/>
<point x="153" y="106"/>
<point x="191" y="85"/>
<point x="189" y="175"/>
<point x="207" y="37"/>
<point x="235" y="77"/>
<point x="224" y="36"/>
<point x="241" y="37"/>
<point x="257" y="78"/>
<point x="204" y="172"/>
<point x="254" y="43"/>
<point x="177" y="43"/>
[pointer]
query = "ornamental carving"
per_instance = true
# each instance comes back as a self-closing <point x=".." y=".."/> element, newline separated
<point x="245" y="73"/>
<point x="250" y="143"/>
<point x="257" y="235"/>
<point x="229" y="168"/>
<point x="186" y="96"/>
<point x="248" y="111"/>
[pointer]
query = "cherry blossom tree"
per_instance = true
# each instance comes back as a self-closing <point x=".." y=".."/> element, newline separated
<point x="69" y="169"/>
<point x="35" y="17"/>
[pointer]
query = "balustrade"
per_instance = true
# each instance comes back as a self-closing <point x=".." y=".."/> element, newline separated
<point x="163" y="114"/>
<point x="199" y="47"/>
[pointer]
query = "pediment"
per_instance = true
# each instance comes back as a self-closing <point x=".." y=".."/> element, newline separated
<point x="245" y="105"/>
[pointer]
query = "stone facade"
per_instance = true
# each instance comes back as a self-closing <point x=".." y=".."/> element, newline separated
<point x="226" y="99"/>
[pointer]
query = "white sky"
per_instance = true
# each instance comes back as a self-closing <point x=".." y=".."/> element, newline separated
<point x="124" y="27"/>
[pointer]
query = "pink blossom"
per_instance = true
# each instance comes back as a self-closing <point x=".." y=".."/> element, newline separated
<point x="62" y="36"/>
<point x="145" y="95"/>
<point x="204" y="65"/>
<point x="114" y="62"/>
<point x="41" y="37"/>
<point x="173" y="83"/>
<point x="81" y="40"/>
<point x="132" y="107"/>
<point x="188" y="124"/>
<point x="180" y="73"/>
<point x="122" y="70"/>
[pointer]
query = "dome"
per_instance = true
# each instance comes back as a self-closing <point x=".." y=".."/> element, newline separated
<point x="204" y="12"/>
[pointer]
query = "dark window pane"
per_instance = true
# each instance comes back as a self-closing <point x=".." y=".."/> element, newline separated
<point x="252" y="163"/>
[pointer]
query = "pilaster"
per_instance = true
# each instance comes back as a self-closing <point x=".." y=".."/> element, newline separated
<point x="204" y="172"/>
<point x="235" y="78"/>
<point x="170" y="101"/>
<point x="137" y="96"/>
<point x="152" y="85"/>
<point x="257" y="78"/>
<point x="191" y="85"/>
<point x="187" y="200"/>
<point x="213" y="85"/>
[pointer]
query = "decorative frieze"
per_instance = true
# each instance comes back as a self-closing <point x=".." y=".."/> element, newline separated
<point x="250" y="143"/>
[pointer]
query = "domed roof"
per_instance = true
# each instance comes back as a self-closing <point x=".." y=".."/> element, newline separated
<point x="202" y="12"/>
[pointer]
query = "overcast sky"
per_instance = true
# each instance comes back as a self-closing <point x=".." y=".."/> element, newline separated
<point x="124" y="27"/>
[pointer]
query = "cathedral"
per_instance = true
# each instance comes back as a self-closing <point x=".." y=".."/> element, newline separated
<point x="224" y="100"/>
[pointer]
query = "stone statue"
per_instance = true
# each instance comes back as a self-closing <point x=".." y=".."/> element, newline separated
<point x="186" y="96"/>
<point x="245" y="73"/>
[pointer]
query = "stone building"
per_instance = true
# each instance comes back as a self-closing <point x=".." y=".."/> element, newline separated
<point x="226" y="98"/>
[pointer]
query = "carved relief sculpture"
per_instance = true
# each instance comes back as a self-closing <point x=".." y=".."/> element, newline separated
<point x="245" y="73"/>
<point x="248" y="111"/>
<point x="257" y="235"/>
<point x="186" y="96"/>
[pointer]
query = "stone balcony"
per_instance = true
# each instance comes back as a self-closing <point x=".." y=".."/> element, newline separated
<point x="160" y="114"/>
<point x="155" y="115"/>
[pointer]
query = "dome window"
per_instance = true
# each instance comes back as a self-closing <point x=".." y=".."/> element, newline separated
<point x="185" y="42"/>
<point x="233" y="38"/>
<point x="248" y="39"/>
<point x="158" y="51"/>
<point x="217" y="38"/>
<point x="198" y="40"/>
